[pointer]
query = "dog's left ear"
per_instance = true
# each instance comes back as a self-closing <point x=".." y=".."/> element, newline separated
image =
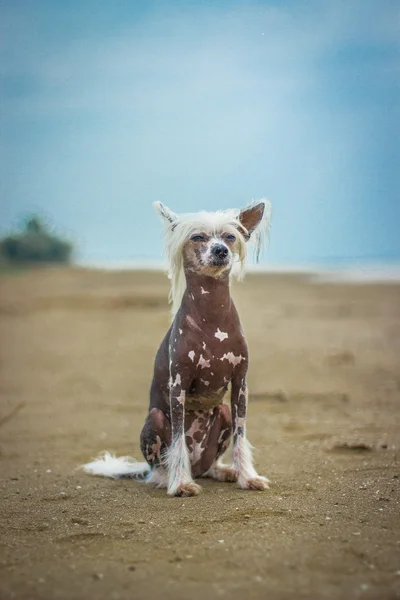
<point x="165" y="212"/>
<point x="251" y="216"/>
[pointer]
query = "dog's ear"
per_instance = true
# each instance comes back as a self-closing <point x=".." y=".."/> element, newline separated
<point x="165" y="212"/>
<point x="251" y="216"/>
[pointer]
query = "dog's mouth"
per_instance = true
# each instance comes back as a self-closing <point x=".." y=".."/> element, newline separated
<point x="219" y="261"/>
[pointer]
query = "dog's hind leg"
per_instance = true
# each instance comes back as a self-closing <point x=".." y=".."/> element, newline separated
<point x="221" y="472"/>
<point x="216" y="444"/>
<point x="154" y="441"/>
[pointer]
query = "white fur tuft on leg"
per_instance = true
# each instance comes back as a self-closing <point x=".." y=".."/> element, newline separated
<point x="177" y="462"/>
<point x="108" y="465"/>
<point x="247" y="476"/>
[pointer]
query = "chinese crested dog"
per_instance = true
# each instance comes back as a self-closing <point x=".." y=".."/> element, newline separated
<point x="188" y="427"/>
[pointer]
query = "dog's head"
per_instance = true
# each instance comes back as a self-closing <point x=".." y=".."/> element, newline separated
<point x="212" y="244"/>
<point x="209" y="243"/>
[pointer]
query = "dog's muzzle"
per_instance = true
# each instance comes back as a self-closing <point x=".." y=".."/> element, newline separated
<point x="220" y="255"/>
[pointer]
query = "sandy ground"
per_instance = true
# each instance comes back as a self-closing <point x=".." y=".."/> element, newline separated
<point x="77" y="349"/>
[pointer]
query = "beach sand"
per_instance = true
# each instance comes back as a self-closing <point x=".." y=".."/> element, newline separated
<point x="77" y="351"/>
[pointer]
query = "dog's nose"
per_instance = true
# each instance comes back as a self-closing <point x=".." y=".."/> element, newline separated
<point x="220" y="250"/>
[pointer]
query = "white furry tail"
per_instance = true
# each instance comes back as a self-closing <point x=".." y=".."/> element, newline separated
<point x="108" y="465"/>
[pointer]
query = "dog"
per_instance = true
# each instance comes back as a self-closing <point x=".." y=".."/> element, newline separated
<point x="188" y="427"/>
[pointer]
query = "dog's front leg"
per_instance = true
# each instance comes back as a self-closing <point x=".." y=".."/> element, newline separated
<point x="177" y="461"/>
<point x="247" y="476"/>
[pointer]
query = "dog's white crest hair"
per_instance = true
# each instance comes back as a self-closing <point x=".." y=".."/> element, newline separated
<point x="179" y="227"/>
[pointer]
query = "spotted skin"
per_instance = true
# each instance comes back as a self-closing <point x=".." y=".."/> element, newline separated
<point x="155" y="437"/>
<point x="189" y="426"/>
<point x="207" y="436"/>
<point x="193" y="370"/>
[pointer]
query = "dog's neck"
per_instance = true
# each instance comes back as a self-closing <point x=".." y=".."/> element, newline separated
<point x="207" y="296"/>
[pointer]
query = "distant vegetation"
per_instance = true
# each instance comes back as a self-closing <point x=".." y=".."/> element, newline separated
<point x="34" y="244"/>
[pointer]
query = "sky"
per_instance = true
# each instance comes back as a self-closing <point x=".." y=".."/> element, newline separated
<point x="109" y="105"/>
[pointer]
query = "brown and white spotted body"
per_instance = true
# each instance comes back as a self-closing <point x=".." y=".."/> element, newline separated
<point x="189" y="426"/>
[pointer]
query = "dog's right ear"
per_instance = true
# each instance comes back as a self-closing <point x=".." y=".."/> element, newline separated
<point x="165" y="212"/>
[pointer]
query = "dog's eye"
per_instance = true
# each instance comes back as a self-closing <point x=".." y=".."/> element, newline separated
<point x="230" y="237"/>
<point x="197" y="238"/>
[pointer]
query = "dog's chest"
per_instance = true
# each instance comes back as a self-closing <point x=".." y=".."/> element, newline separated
<point x="214" y="364"/>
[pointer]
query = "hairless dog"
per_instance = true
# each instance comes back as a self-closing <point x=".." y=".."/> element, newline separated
<point x="189" y="427"/>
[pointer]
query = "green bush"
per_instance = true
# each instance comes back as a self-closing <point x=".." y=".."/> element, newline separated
<point x="35" y="244"/>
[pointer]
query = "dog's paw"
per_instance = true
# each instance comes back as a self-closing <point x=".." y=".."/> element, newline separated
<point x="185" y="490"/>
<point x="227" y="474"/>
<point x="257" y="483"/>
<point x="222" y="473"/>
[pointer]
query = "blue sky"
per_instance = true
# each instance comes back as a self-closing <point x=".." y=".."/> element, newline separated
<point x="107" y="106"/>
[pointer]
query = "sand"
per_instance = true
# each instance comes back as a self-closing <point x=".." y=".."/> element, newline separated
<point x="77" y="350"/>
